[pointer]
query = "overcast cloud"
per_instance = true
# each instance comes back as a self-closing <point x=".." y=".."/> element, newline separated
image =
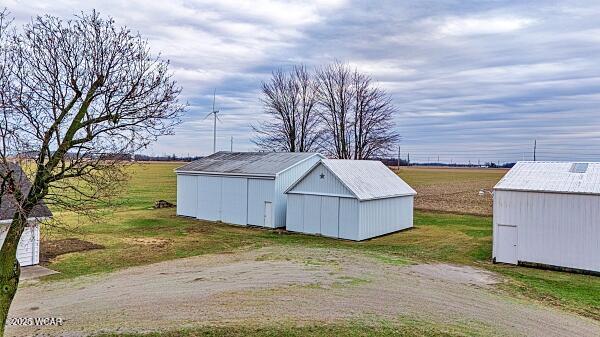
<point x="472" y="80"/>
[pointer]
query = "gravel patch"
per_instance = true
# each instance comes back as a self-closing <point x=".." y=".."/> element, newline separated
<point x="284" y="284"/>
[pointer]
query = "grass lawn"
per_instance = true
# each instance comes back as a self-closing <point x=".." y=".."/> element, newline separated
<point x="405" y="327"/>
<point x="135" y="234"/>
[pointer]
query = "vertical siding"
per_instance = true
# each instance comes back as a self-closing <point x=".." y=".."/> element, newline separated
<point x="259" y="191"/>
<point x="295" y="213"/>
<point x="330" y="208"/>
<point x="554" y="229"/>
<point x="28" y="249"/>
<point x="209" y="198"/>
<point x="382" y="216"/>
<point x="187" y="195"/>
<point x="282" y="182"/>
<point x="349" y="219"/>
<point x="312" y="214"/>
<point x="329" y="184"/>
<point x="234" y="200"/>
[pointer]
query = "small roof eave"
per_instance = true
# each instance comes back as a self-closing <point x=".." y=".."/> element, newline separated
<point x="301" y="161"/>
<point x="230" y="174"/>
<point x="507" y="189"/>
<point x="32" y="218"/>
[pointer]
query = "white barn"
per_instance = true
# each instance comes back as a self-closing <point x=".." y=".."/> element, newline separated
<point x="243" y="188"/>
<point x="349" y="199"/>
<point x="548" y="214"/>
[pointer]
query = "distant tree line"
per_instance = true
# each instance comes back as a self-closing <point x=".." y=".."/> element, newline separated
<point x="334" y="109"/>
<point x="173" y="157"/>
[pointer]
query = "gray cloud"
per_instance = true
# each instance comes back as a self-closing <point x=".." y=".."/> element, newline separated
<point x="473" y="80"/>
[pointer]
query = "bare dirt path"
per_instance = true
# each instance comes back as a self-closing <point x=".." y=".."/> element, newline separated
<point x="286" y="284"/>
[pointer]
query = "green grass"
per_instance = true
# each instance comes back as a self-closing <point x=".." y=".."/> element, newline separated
<point x="135" y="234"/>
<point x="400" y="328"/>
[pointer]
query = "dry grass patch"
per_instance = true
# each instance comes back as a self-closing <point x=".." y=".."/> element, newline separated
<point x="452" y="190"/>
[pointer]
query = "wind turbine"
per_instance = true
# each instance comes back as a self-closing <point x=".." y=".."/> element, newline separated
<point x="214" y="112"/>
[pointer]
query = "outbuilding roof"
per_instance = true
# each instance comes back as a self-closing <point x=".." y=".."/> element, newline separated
<point x="558" y="177"/>
<point x="8" y="204"/>
<point x="366" y="179"/>
<point x="246" y="163"/>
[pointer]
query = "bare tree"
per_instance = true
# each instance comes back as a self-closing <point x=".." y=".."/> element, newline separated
<point x="335" y="93"/>
<point x="290" y="100"/>
<point x="80" y="96"/>
<point x="357" y="115"/>
<point x="373" y="127"/>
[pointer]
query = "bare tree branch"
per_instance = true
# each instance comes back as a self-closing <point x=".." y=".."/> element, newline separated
<point x="357" y="115"/>
<point x="76" y="98"/>
<point x="289" y="99"/>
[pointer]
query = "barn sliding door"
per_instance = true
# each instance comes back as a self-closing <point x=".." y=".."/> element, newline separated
<point x="209" y="198"/>
<point x="312" y="214"/>
<point x="187" y="195"/>
<point x="234" y="200"/>
<point x="320" y="215"/>
<point x="329" y="216"/>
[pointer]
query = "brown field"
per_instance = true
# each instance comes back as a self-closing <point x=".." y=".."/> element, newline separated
<point x="452" y="190"/>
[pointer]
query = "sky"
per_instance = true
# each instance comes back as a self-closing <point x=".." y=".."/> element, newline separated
<point x="472" y="80"/>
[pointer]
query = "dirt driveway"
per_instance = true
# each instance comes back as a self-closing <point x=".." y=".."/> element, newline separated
<point x="286" y="284"/>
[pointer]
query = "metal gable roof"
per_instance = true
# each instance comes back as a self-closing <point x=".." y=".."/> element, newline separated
<point x="246" y="163"/>
<point x="558" y="177"/>
<point x="367" y="179"/>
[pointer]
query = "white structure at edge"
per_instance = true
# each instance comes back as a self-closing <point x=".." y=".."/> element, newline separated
<point x="548" y="213"/>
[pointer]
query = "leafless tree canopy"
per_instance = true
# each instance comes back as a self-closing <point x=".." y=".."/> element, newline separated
<point x="336" y="109"/>
<point x="290" y="101"/>
<point x="358" y="115"/>
<point x="76" y="97"/>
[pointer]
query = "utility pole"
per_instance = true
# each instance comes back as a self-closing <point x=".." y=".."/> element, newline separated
<point x="398" y="157"/>
<point x="231" y="149"/>
<point x="534" y="148"/>
<point x="408" y="160"/>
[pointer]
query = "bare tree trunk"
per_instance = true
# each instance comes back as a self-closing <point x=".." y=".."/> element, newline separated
<point x="10" y="270"/>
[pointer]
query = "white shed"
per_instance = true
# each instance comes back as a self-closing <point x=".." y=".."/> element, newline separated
<point x="28" y="249"/>
<point x="548" y="214"/>
<point x="349" y="199"/>
<point x="243" y="188"/>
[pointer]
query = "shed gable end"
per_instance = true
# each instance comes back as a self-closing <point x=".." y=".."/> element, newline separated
<point x="321" y="180"/>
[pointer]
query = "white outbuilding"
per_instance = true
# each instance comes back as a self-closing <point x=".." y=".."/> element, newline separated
<point x="243" y="188"/>
<point x="548" y="214"/>
<point x="28" y="249"/>
<point x="349" y="199"/>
